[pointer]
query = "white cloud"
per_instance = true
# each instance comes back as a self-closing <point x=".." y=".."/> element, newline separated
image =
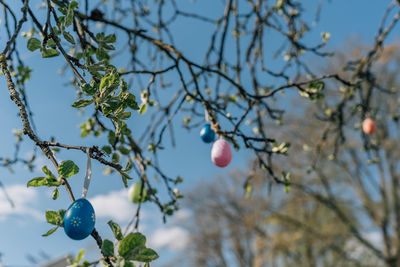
<point x="114" y="205"/>
<point x="181" y="215"/>
<point x="22" y="197"/>
<point x="117" y="206"/>
<point x="174" y="238"/>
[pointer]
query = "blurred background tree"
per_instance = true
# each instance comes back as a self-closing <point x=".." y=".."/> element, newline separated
<point x="340" y="211"/>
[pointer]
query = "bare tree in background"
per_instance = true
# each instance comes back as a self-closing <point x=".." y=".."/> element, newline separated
<point x="272" y="228"/>
<point x="340" y="210"/>
<point x="366" y="166"/>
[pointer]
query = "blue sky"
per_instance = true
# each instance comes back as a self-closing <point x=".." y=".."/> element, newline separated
<point x="50" y="99"/>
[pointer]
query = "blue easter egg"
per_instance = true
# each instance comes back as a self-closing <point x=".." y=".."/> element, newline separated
<point x="79" y="219"/>
<point x="207" y="134"/>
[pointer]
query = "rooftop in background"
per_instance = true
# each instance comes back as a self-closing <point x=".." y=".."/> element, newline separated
<point x="59" y="262"/>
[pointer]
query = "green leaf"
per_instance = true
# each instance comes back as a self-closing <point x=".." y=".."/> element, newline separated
<point x="104" y="83"/>
<point x="54" y="217"/>
<point x="124" y="86"/>
<point x="145" y="255"/>
<point x="130" y="243"/>
<point x="129" y="264"/>
<point x="62" y="212"/>
<point x="125" y="177"/>
<point x="69" y="18"/>
<point x="55" y="194"/>
<point x="110" y="38"/>
<point x="143" y="108"/>
<point x="107" y="248"/>
<point x="61" y="21"/>
<point x="314" y="91"/>
<point x="88" y="89"/>
<point x="125" y="130"/>
<point x="101" y="54"/>
<point x="108" y="83"/>
<point x="124" y="150"/>
<point x="108" y="46"/>
<point x="280" y="148"/>
<point x="52" y="182"/>
<point x="136" y="191"/>
<point x="107" y="149"/>
<point x="316" y="86"/>
<point x="95" y="67"/>
<point x="249" y="190"/>
<point x="69" y="37"/>
<point x="111" y="138"/>
<point x="80" y="256"/>
<point x="110" y="106"/>
<point x="131" y="102"/>
<point x="73" y="5"/>
<point x="35" y="182"/>
<point x="100" y="36"/>
<point x="67" y="168"/>
<point x="80" y="103"/>
<point x="34" y="44"/>
<point x="124" y="115"/>
<point x="128" y="166"/>
<point x="43" y="181"/>
<point x="63" y="10"/>
<point x="24" y="74"/>
<point x="46" y="53"/>
<point x="116" y="230"/>
<point x="52" y="230"/>
<point x="178" y="180"/>
<point x="48" y="172"/>
<point x="287" y="188"/>
<point x="51" y="43"/>
<point x="286" y="179"/>
<point x="169" y="212"/>
<point x="115" y="158"/>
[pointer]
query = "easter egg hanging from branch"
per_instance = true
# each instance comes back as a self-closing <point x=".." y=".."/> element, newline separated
<point x="79" y="219"/>
<point x="221" y="153"/>
<point x="134" y="193"/>
<point x="207" y="134"/>
<point x="368" y="126"/>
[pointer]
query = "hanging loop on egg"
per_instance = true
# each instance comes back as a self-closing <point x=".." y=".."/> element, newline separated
<point x="206" y="117"/>
<point x="88" y="174"/>
<point x="211" y="119"/>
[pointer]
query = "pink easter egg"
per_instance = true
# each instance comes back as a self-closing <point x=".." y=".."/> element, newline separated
<point x="221" y="153"/>
<point x="369" y="126"/>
